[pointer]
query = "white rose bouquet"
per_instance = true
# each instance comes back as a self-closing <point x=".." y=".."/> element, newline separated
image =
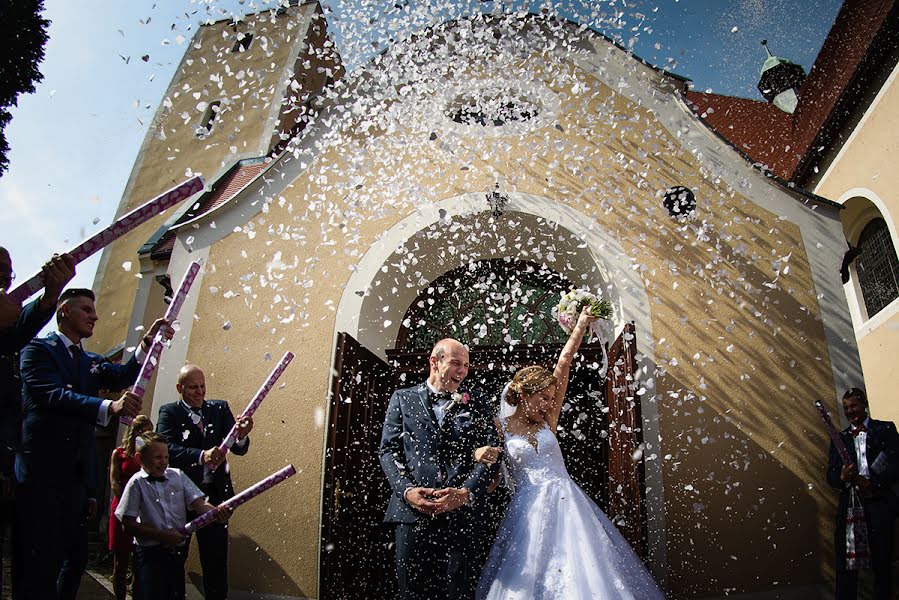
<point x="571" y="304"/>
<point x="569" y="309"/>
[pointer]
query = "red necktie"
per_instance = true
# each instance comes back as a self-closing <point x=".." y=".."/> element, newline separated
<point x="858" y="430"/>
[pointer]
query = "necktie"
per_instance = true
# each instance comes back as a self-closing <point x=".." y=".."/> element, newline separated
<point x="76" y="355"/>
<point x="858" y="430"/>
<point x="440" y="397"/>
<point x="155" y="479"/>
<point x="197" y="417"/>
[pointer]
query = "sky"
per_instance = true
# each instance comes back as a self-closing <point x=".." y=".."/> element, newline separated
<point x="108" y="63"/>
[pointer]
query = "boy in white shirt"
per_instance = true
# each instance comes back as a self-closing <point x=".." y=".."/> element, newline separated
<point x="153" y="508"/>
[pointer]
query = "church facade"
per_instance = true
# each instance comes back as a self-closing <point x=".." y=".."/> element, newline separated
<point x="455" y="185"/>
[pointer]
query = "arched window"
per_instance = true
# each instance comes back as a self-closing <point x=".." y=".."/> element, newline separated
<point x="489" y="303"/>
<point x="877" y="267"/>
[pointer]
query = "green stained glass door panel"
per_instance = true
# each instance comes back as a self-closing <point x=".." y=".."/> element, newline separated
<point x="498" y="302"/>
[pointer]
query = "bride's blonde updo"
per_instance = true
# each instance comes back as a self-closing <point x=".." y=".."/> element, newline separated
<point x="527" y="381"/>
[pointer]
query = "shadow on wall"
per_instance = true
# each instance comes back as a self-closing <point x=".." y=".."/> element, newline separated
<point x="742" y="354"/>
<point x="250" y="569"/>
<point x="738" y="520"/>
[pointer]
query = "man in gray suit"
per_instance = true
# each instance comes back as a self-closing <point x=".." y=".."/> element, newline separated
<point x="427" y="452"/>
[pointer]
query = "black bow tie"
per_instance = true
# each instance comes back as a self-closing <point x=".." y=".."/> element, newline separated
<point x="155" y="479"/>
<point x="438" y="397"/>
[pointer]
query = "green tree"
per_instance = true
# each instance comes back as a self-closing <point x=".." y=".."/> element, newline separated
<point x="23" y="35"/>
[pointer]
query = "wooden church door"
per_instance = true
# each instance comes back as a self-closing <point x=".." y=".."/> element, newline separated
<point x="356" y="558"/>
<point x="626" y="489"/>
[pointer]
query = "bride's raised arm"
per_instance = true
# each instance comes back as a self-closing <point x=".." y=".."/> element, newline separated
<point x="563" y="366"/>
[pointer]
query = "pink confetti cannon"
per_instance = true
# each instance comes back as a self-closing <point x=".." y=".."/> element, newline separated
<point x="251" y="492"/>
<point x="171" y="313"/>
<point x="255" y="402"/>
<point x="99" y="240"/>
<point x="833" y="433"/>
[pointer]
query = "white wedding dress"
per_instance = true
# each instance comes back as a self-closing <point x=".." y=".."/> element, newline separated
<point x="554" y="542"/>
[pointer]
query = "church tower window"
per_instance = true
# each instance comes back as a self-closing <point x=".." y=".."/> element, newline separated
<point x="209" y="118"/>
<point x="242" y="42"/>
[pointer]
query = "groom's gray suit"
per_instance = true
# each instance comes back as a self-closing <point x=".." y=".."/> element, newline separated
<point x="436" y="556"/>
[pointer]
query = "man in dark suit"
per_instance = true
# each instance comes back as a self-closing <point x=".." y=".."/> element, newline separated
<point x="194" y="428"/>
<point x="56" y="465"/>
<point x="873" y="447"/>
<point x="18" y="325"/>
<point x="427" y="452"/>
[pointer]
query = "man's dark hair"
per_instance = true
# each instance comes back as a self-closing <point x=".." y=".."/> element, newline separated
<point x="75" y="293"/>
<point x="857" y="393"/>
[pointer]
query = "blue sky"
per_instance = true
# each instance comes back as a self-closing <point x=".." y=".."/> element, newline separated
<point x="74" y="141"/>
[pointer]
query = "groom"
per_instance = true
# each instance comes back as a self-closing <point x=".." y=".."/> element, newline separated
<point x="427" y="452"/>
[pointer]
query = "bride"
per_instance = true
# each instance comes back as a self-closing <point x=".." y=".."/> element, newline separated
<point x="553" y="542"/>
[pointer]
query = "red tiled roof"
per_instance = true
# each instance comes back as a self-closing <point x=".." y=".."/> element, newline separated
<point x="862" y="31"/>
<point x="223" y="190"/>
<point x="757" y="129"/>
<point x="837" y="67"/>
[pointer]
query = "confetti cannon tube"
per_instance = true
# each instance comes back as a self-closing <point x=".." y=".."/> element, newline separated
<point x="833" y="433"/>
<point x="251" y="492"/>
<point x="99" y="240"/>
<point x="255" y="402"/>
<point x="171" y="313"/>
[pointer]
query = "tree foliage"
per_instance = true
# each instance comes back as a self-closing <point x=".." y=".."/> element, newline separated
<point x="23" y="35"/>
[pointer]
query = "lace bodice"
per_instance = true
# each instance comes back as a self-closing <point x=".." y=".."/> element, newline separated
<point x="533" y="466"/>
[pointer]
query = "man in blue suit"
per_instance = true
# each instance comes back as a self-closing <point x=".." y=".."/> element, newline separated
<point x="873" y="447"/>
<point x="56" y="465"/>
<point x="18" y="325"/>
<point x="194" y="428"/>
<point x="430" y="434"/>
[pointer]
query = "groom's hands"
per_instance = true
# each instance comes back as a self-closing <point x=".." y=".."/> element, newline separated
<point x="422" y="499"/>
<point x="430" y="501"/>
<point x="448" y="499"/>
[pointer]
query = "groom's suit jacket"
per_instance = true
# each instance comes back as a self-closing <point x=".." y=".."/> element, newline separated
<point x="187" y="442"/>
<point x="881" y="438"/>
<point x="60" y="407"/>
<point x="416" y="451"/>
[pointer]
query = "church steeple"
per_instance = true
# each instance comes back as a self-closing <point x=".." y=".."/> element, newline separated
<point x="780" y="81"/>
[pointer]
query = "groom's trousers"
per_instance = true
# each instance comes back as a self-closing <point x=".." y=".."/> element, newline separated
<point x="437" y="557"/>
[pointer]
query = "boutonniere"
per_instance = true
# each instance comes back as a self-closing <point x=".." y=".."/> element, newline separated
<point x="458" y="398"/>
<point x="95" y="368"/>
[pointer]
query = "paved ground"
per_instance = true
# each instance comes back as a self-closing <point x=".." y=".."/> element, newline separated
<point x="91" y="588"/>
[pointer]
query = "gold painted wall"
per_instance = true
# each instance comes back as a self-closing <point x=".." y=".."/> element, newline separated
<point x="248" y="84"/>
<point x="741" y="349"/>
<point x="867" y="161"/>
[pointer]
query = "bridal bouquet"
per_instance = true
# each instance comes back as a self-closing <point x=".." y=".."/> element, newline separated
<point x="569" y="308"/>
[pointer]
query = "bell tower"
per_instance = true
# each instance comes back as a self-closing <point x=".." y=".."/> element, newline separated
<point x="780" y="81"/>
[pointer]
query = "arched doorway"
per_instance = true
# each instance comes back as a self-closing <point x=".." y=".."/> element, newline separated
<point x="501" y="307"/>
